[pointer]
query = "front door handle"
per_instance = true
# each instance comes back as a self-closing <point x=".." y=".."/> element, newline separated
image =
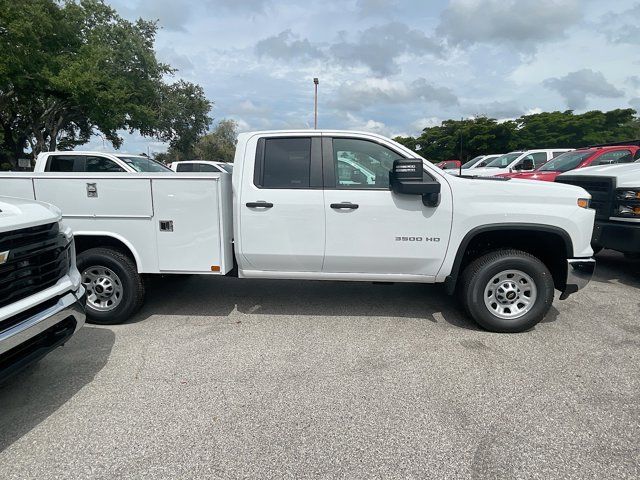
<point x="259" y="205"/>
<point x="344" y="205"/>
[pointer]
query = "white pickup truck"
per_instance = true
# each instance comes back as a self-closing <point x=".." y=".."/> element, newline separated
<point x="298" y="206"/>
<point x="615" y="191"/>
<point x="41" y="299"/>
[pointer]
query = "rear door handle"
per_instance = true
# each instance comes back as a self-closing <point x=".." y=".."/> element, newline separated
<point x="344" y="205"/>
<point x="259" y="205"/>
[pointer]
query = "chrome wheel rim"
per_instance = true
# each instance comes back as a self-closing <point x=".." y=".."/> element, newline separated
<point x="104" y="288"/>
<point x="510" y="294"/>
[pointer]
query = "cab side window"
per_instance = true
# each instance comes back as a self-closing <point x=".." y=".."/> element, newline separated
<point x="362" y="164"/>
<point x="101" y="164"/>
<point x="284" y="163"/>
<point x="205" y="167"/>
<point x="61" y="163"/>
<point x="539" y="159"/>
<point x="184" y="167"/>
<point x="616" y="156"/>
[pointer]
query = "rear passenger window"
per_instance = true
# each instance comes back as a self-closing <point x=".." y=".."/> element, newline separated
<point x="287" y="163"/>
<point x="61" y="163"/>
<point x="184" y="167"/>
<point x="205" y="167"/>
<point x="101" y="164"/>
<point x="616" y="156"/>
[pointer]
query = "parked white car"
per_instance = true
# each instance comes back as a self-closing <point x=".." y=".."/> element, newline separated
<point x="41" y="298"/>
<point x="475" y="162"/>
<point x="201" y="166"/>
<point x="521" y="161"/>
<point x="95" y="162"/>
<point x="294" y="213"/>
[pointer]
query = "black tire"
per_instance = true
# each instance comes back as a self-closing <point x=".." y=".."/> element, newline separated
<point x="131" y="281"/>
<point x="478" y="274"/>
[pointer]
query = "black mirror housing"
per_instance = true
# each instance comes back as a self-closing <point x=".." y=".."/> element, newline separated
<point x="407" y="177"/>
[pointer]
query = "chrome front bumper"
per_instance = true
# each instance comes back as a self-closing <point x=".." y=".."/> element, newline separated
<point x="40" y="333"/>
<point x="579" y="273"/>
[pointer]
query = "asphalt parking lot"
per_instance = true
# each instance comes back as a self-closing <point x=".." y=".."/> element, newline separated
<point x="222" y="378"/>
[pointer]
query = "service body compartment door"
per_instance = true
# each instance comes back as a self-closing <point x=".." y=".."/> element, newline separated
<point x="99" y="197"/>
<point x="188" y="224"/>
<point x="16" y="187"/>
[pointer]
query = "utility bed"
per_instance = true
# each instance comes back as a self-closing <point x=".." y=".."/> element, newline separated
<point x="171" y="224"/>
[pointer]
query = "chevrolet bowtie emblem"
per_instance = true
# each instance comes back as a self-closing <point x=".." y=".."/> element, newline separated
<point x="4" y="256"/>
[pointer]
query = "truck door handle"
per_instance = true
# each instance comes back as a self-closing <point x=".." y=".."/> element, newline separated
<point x="259" y="205"/>
<point x="344" y="205"/>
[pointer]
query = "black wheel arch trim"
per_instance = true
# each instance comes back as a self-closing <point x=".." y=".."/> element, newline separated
<point x="452" y="278"/>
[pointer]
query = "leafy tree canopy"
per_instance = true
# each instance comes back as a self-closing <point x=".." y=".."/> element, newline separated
<point x="218" y="145"/>
<point x="464" y="139"/>
<point x="69" y="68"/>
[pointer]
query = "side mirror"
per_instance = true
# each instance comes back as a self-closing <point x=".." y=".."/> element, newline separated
<point x="407" y="178"/>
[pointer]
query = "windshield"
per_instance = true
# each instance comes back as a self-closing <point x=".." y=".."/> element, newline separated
<point x="565" y="162"/>
<point x="503" y="161"/>
<point x="473" y="161"/>
<point x="144" y="164"/>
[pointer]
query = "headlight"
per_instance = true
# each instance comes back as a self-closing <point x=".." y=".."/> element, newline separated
<point x="628" y="194"/>
<point x="627" y="203"/>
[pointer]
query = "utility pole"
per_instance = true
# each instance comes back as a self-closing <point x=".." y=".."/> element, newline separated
<point x="315" y="104"/>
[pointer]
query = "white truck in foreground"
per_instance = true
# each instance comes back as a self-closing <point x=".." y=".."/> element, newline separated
<point x="615" y="192"/>
<point x="41" y="299"/>
<point x="297" y="208"/>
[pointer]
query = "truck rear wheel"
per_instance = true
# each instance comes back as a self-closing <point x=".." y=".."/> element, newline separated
<point x="507" y="291"/>
<point x="115" y="290"/>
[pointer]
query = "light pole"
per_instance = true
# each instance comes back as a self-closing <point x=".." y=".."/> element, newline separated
<point x="315" y="104"/>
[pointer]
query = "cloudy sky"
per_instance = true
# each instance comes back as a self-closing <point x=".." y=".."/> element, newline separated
<point x="396" y="66"/>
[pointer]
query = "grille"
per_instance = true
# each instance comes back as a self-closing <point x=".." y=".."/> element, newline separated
<point x="601" y="190"/>
<point x="38" y="258"/>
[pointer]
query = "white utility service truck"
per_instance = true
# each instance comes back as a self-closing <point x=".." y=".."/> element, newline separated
<point x="41" y="299"/>
<point x="298" y="206"/>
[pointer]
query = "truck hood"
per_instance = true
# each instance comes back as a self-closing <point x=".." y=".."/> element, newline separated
<point x="484" y="171"/>
<point x="626" y="174"/>
<point x="16" y="213"/>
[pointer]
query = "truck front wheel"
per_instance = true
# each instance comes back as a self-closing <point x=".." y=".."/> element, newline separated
<point x="114" y="288"/>
<point x="507" y="291"/>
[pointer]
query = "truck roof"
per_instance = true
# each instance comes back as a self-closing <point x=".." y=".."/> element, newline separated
<point x="91" y="152"/>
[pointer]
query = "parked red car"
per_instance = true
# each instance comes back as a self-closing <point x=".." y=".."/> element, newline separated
<point x="449" y="164"/>
<point x="583" y="157"/>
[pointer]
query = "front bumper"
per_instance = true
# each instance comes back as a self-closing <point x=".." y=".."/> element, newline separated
<point x="35" y="336"/>
<point x="617" y="235"/>
<point x="579" y="273"/>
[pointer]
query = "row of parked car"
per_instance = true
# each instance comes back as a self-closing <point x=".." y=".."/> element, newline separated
<point x="542" y="164"/>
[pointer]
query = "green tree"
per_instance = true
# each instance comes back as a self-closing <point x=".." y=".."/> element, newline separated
<point x="70" y="68"/>
<point x="219" y="145"/>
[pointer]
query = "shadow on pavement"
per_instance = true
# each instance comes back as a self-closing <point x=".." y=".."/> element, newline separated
<point x="614" y="266"/>
<point x="32" y="395"/>
<point x="219" y="296"/>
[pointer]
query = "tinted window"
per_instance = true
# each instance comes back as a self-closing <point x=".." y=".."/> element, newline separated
<point x="287" y="163"/>
<point x="362" y="164"/>
<point x="539" y="158"/>
<point x="556" y="154"/>
<point x="60" y="163"/>
<point x="567" y="161"/>
<point x="101" y="164"/>
<point x="184" y="167"/>
<point x="616" y="156"/>
<point x="205" y="167"/>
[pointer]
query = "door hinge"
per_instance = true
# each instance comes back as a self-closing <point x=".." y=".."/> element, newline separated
<point x="166" y="225"/>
